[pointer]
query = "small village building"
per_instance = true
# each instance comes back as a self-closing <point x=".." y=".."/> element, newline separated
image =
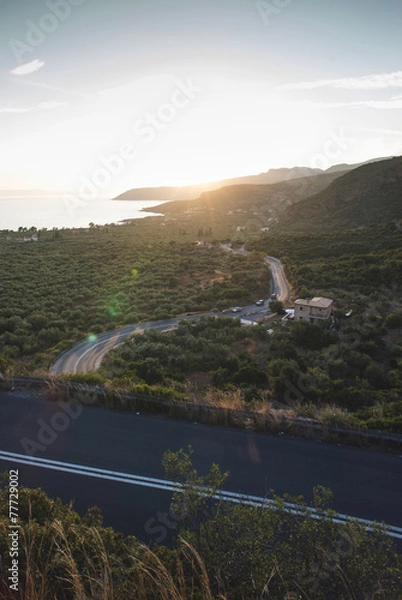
<point x="317" y="310"/>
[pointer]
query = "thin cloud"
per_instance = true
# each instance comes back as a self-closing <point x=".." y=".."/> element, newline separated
<point x="384" y="104"/>
<point x="377" y="130"/>
<point x="51" y="104"/>
<point x="378" y="104"/>
<point x="367" y="82"/>
<point x="15" y="111"/>
<point x="18" y="110"/>
<point x="28" y="68"/>
<point x="53" y="88"/>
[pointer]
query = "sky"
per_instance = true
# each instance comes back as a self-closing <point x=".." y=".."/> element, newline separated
<point x="97" y="97"/>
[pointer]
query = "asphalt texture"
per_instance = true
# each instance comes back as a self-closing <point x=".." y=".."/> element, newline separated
<point x="365" y="484"/>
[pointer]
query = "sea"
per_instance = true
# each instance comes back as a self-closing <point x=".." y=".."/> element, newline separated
<point x="67" y="212"/>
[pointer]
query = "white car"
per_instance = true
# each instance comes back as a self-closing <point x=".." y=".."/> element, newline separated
<point x="260" y="303"/>
<point x="236" y="309"/>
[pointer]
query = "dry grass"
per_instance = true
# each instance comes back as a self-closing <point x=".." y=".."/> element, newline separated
<point x="232" y="399"/>
<point x="51" y="564"/>
<point x="73" y="563"/>
<point x="329" y="414"/>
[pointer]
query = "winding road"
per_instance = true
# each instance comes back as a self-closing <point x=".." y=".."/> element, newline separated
<point x="90" y="455"/>
<point x="280" y="285"/>
<point x="86" y="356"/>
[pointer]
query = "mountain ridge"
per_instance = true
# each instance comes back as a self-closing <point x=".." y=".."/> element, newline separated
<point x="192" y="192"/>
<point x="370" y="194"/>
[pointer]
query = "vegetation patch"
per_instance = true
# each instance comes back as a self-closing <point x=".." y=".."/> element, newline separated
<point x="220" y="550"/>
<point x="343" y="376"/>
<point x="73" y="283"/>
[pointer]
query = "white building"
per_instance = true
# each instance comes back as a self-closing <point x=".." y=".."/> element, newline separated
<point x="315" y="311"/>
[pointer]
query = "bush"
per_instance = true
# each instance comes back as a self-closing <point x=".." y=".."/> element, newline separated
<point x="393" y="320"/>
<point x="85" y="378"/>
<point x="276" y="306"/>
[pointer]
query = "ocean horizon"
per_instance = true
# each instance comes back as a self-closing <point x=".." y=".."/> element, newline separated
<point x="66" y="212"/>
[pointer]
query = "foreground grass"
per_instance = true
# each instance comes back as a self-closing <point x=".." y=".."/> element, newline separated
<point x="222" y="551"/>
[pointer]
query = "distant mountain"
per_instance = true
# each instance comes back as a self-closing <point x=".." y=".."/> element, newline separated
<point x="192" y="192"/>
<point x="268" y="200"/>
<point x="347" y="167"/>
<point x="367" y="195"/>
<point x="272" y="176"/>
<point x="165" y="193"/>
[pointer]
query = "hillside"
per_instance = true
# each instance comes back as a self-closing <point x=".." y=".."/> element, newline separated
<point x="371" y="194"/>
<point x="269" y="199"/>
<point x="191" y="192"/>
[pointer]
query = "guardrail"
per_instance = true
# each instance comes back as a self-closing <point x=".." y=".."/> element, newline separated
<point x="206" y="414"/>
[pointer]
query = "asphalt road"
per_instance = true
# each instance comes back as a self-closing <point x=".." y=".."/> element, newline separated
<point x="365" y="484"/>
<point x="87" y="355"/>
<point x="280" y="285"/>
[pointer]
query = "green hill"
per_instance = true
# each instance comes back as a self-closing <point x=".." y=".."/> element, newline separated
<point x="371" y="194"/>
<point x="270" y="177"/>
<point x="269" y="198"/>
<point x="191" y="192"/>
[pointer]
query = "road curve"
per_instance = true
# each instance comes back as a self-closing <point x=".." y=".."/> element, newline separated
<point x="280" y="285"/>
<point x="86" y="356"/>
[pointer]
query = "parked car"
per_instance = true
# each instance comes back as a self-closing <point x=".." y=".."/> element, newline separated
<point x="260" y="303"/>
<point x="236" y="309"/>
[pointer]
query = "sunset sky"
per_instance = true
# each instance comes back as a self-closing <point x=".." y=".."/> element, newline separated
<point x="136" y="93"/>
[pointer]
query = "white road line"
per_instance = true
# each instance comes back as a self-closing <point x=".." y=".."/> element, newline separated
<point x="278" y="277"/>
<point x="122" y="340"/>
<point x="108" y="349"/>
<point x="89" y="471"/>
<point x="117" y="340"/>
<point x="112" y="339"/>
<point x="84" y="354"/>
<point x="171" y="486"/>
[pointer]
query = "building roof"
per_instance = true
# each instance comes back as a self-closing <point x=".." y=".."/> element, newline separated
<point x="316" y="302"/>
